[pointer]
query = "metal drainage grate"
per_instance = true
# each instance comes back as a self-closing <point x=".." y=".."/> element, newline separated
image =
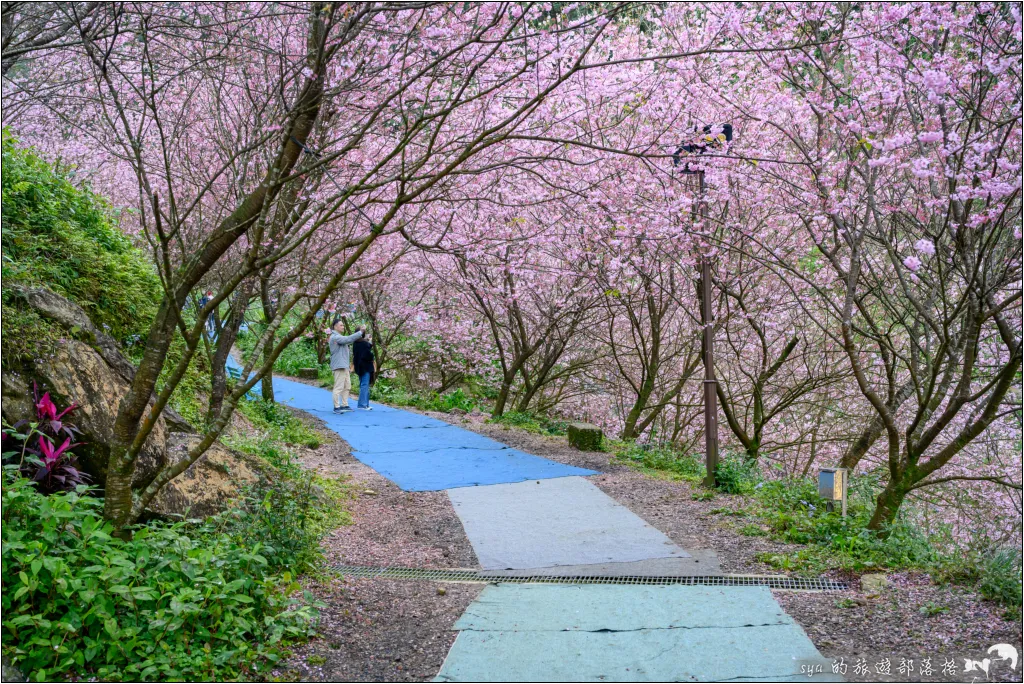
<point x="441" y="575"/>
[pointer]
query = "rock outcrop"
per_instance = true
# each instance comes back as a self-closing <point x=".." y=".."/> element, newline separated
<point x="74" y="319"/>
<point x="77" y="373"/>
<point x="89" y="369"/>
<point x="209" y="484"/>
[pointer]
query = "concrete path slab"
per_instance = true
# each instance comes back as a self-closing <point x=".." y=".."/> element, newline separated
<point x="701" y="562"/>
<point x="648" y="655"/>
<point x="532" y="633"/>
<point x="546" y="523"/>
<point x="618" y="607"/>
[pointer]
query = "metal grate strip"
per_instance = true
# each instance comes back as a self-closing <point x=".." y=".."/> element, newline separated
<point x="444" y="575"/>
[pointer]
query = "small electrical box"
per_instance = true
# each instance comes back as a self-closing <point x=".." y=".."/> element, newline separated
<point x="832" y="485"/>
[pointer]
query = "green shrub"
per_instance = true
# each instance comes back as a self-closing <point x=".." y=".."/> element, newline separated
<point x="287" y="517"/>
<point x="735" y="476"/>
<point x="1001" y="580"/>
<point x="456" y="399"/>
<point x="393" y="391"/>
<point x="65" y="238"/>
<point x="174" y="602"/>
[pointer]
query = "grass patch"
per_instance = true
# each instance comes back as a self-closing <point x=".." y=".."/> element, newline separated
<point x="532" y="422"/>
<point x="681" y="466"/>
<point x="278" y="424"/>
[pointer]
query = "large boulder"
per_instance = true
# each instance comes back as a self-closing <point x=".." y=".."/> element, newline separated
<point x="77" y="373"/>
<point x="209" y="484"/>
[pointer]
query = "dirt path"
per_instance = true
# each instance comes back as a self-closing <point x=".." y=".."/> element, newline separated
<point x="383" y="630"/>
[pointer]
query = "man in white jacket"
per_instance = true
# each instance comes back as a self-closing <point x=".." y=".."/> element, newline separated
<point x="341" y="348"/>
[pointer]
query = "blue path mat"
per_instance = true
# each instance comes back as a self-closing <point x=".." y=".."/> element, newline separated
<point x="553" y="633"/>
<point x="416" y="452"/>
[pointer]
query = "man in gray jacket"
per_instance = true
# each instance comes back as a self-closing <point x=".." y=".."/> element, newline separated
<point x="341" y="348"/>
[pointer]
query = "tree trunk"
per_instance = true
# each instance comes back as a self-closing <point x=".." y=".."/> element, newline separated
<point x="499" y="403"/>
<point x="267" y="381"/>
<point x="225" y="340"/>
<point x="633" y="417"/>
<point x="873" y="431"/>
<point x="887" y="506"/>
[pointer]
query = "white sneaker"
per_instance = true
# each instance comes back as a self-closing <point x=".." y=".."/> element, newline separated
<point x="365" y="408"/>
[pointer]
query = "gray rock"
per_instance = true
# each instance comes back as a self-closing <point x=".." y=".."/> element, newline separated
<point x="11" y="673"/>
<point x="873" y="583"/>
<point x="78" y="324"/>
<point x="209" y="484"/>
<point x="77" y="373"/>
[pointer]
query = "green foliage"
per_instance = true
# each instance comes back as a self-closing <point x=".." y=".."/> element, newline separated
<point x="65" y="238"/>
<point x="790" y="510"/>
<point x="793" y="513"/>
<point x="280" y="424"/>
<point x="533" y="422"/>
<point x="287" y="517"/>
<point x="187" y="398"/>
<point x="931" y="609"/>
<point x="396" y="393"/>
<point x="193" y="602"/>
<point x="725" y="510"/>
<point x="734" y="475"/>
<point x="682" y="466"/>
<point x="298" y="355"/>
<point x="1000" y="580"/>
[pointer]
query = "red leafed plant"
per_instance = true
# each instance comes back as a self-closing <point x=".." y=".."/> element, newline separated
<point x="29" y="447"/>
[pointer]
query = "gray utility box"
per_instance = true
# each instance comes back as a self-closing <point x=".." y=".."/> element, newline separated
<point x="832" y="486"/>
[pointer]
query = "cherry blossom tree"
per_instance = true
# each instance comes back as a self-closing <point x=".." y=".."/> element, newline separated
<point x="906" y="138"/>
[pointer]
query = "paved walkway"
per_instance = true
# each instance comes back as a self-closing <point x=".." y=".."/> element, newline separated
<point x="529" y="515"/>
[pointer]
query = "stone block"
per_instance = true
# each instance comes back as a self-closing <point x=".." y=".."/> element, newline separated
<point x="585" y="437"/>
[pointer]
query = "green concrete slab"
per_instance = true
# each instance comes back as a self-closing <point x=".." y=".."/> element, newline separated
<point x="771" y="653"/>
<point x="538" y="632"/>
<point x="596" y="607"/>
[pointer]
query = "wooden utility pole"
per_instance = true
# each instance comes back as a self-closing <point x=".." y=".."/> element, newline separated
<point x="707" y="316"/>
<point x="710" y="383"/>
